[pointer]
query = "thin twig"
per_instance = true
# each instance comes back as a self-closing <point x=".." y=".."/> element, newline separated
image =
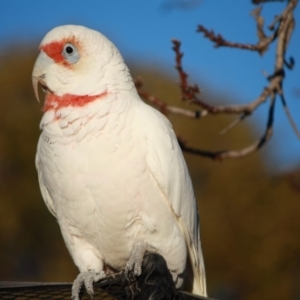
<point x="220" y="155"/>
<point x="290" y="118"/>
<point x="219" y="41"/>
<point x="233" y="124"/>
<point x="164" y="107"/>
<point x="189" y="92"/>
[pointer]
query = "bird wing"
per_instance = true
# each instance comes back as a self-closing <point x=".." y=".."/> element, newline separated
<point x="167" y="166"/>
<point x="45" y="194"/>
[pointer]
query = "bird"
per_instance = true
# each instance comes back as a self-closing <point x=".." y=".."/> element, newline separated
<point x="109" y="166"/>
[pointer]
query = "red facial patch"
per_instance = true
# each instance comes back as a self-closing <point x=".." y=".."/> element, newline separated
<point x="54" y="50"/>
<point x="55" y="102"/>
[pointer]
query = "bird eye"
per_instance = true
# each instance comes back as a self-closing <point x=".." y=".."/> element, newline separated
<point x="69" y="50"/>
<point x="71" y="53"/>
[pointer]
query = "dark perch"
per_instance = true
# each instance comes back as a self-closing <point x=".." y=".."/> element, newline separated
<point x="155" y="283"/>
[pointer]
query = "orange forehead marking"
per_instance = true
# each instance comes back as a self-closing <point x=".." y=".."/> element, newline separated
<point x="54" y="50"/>
<point x="56" y="102"/>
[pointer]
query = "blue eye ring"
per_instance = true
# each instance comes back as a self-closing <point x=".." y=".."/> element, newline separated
<point x="70" y="53"/>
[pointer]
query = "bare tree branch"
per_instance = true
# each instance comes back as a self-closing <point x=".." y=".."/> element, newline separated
<point x="220" y="41"/>
<point x="220" y="155"/>
<point x="163" y="107"/>
<point x="263" y="40"/>
<point x="282" y="28"/>
<point x="288" y="113"/>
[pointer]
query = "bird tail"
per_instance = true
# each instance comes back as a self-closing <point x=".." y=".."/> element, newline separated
<point x="195" y="280"/>
<point x="195" y="272"/>
<point x="197" y="275"/>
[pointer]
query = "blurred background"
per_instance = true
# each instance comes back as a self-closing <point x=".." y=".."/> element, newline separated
<point x="249" y="208"/>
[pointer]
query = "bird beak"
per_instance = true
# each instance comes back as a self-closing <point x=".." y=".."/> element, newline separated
<point x="39" y="74"/>
<point x="35" y="83"/>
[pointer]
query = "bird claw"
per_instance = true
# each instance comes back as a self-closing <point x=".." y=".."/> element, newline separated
<point x="87" y="279"/>
<point x="134" y="265"/>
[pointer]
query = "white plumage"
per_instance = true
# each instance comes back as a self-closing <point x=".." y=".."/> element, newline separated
<point x="109" y="166"/>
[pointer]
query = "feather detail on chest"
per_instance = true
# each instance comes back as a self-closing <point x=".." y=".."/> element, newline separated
<point x="73" y="122"/>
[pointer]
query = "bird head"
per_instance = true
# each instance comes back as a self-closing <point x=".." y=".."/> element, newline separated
<point x="76" y="61"/>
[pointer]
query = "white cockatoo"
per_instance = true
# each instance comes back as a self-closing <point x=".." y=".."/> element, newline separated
<point x="109" y="166"/>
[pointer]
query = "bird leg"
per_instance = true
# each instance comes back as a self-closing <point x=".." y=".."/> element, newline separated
<point x="134" y="264"/>
<point x="87" y="279"/>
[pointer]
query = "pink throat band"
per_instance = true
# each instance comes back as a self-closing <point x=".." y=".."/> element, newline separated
<point x="54" y="102"/>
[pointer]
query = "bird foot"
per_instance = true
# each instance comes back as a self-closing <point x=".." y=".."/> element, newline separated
<point x="134" y="265"/>
<point x="87" y="279"/>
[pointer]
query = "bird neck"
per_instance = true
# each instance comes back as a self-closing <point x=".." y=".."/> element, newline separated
<point x="75" y="120"/>
<point x="56" y="102"/>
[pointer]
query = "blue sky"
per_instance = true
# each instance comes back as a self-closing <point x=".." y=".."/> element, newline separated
<point x="143" y="29"/>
